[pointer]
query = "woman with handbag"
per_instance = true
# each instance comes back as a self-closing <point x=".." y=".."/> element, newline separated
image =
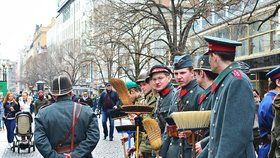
<point x="10" y="109"/>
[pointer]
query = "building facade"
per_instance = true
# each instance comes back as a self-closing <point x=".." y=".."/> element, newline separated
<point x="260" y="45"/>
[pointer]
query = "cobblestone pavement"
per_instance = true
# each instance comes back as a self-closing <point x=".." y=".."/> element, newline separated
<point x="104" y="148"/>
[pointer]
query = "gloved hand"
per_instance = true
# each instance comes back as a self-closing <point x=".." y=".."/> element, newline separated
<point x="98" y="111"/>
<point x="138" y="120"/>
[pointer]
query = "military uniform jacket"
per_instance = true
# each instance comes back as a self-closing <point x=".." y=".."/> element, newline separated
<point x="185" y="99"/>
<point x="150" y="100"/>
<point x="232" y="116"/>
<point x="53" y="122"/>
<point x="205" y="104"/>
<point x="163" y="103"/>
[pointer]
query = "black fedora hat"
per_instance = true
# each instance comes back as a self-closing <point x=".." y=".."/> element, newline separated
<point x="61" y="85"/>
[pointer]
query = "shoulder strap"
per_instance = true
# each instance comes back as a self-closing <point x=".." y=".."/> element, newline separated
<point x="77" y="108"/>
<point x="76" y="113"/>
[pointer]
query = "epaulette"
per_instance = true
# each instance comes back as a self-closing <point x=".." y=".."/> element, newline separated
<point x="237" y="73"/>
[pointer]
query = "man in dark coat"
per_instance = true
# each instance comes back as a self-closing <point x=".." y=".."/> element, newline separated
<point x="40" y="102"/>
<point x="185" y="99"/>
<point x="65" y="129"/>
<point x="86" y="100"/>
<point x="232" y="104"/>
<point x="108" y="101"/>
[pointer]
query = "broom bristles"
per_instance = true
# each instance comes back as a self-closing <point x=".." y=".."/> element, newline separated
<point x="191" y="119"/>
<point x="122" y="91"/>
<point x="154" y="133"/>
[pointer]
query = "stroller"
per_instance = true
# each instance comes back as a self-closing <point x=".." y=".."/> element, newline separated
<point x="23" y="133"/>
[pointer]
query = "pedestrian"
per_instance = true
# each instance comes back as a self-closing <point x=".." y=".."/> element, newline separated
<point x="10" y="109"/>
<point x="144" y="81"/>
<point x="256" y="130"/>
<point x="85" y="99"/>
<point x="25" y="102"/>
<point x="232" y="103"/>
<point x="185" y="99"/>
<point x="108" y="101"/>
<point x="1" y="113"/>
<point x="275" y="133"/>
<point x="161" y="82"/>
<point x="204" y="77"/>
<point x="40" y="102"/>
<point x="265" y="112"/>
<point x="65" y="129"/>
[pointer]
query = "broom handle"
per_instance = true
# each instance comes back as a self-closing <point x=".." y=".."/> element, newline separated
<point x="137" y="141"/>
<point x="157" y="153"/>
<point x="193" y="144"/>
<point x="182" y="147"/>
<point x="124" y="150"/>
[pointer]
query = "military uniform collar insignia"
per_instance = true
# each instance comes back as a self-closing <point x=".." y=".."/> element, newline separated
<point x="213" y="87"/>
<point x="183" y="92"/>
<point x="201" y="99"/>
<point x="164" y="92"/>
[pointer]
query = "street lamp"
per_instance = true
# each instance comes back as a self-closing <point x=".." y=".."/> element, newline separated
<point x="4" y="72"/>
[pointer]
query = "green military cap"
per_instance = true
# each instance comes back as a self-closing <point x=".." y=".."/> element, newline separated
<point x="216" y="44"/>
<point x="203" y="63"/>
<point x="130" y="84"/>
<point x="183" y="61"/>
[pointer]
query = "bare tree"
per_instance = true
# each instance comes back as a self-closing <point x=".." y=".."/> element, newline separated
<point x="176" y="18"/>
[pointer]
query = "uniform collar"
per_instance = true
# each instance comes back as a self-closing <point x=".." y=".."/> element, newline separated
<point x="166" y="90"/>
<point x="63" y="98"/>
<point x="234" y="68"/>
<point x="185" y="89"/>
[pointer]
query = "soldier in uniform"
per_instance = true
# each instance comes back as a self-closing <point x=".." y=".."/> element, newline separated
<point x="204" y="77"/>
<point x="150" y="100"/>
<point x="265" y="112"/>
<point x="65" y="128"/>
<point x="185" y="99"/>
<point x="232" y="103"/>
<point x="161" y="82"/>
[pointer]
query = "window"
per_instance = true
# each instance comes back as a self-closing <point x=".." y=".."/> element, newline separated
<point x="275" y="40"/>
<point x="242" y="50"/>
<point x="66" y="12"/>
<point x="260" y="43"/>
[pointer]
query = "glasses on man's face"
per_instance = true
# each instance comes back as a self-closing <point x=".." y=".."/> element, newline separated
<point x="160" y="78"/>
<point x="108" y="86"/>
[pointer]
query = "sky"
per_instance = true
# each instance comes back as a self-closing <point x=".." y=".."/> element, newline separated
<point x="18" y="22"/>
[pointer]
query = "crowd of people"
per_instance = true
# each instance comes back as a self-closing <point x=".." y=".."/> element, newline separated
<point x="242" y="123"/>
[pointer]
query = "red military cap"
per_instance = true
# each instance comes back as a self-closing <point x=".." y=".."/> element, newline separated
<point x="216" y="44"/>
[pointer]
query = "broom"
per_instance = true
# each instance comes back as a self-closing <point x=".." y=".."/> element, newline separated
<point x="191" y="120"/>
<point x="122" y="91"/>
<point x="154" y="133"/>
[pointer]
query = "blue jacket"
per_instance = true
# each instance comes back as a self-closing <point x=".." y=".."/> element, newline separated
<point x="113" y="97"/>
<point x="265" y="120"/>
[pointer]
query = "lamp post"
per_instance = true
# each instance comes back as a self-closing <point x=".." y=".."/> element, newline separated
<point x="4" y="72"/>
<point x="40" y="85"/>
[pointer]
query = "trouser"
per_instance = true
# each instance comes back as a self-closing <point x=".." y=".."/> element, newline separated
<point x="263" y="151"/>
<point x="10" y="126"/>
<point x="105" y="116"/>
